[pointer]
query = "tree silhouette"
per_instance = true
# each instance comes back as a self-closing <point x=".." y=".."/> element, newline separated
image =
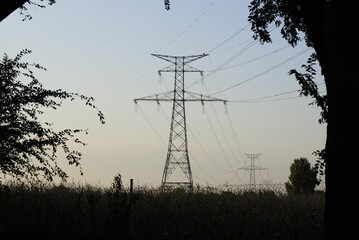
<point x="7" y="7"/>
<point x="302" y="178"/>
<point x="28" y="147"/>
<point x="327" y="26"/>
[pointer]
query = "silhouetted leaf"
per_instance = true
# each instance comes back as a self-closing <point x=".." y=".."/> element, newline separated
<point x="28" y="148"/>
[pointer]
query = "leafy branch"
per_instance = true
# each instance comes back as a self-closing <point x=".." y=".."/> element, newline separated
<point x="28" y="148"/>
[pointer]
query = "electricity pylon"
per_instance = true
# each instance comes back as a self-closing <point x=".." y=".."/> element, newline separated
<point x="177" y="153"/>
<point x="252" y="168"/>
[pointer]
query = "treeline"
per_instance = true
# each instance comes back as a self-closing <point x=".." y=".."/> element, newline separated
<point x="205" y="213"/>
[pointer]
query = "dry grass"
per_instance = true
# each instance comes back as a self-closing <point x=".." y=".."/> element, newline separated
<point x="201" y="214"/>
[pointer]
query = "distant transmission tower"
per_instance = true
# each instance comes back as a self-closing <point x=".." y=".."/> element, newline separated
<point x="252" y="169"/>
<point x="177" y="154"/>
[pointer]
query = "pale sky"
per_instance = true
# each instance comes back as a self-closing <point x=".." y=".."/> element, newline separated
<point x="103" y="49"/>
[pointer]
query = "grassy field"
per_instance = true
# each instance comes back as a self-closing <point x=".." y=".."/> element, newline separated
<point x="205" y="213"/>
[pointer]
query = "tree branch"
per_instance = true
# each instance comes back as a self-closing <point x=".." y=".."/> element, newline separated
<point x="9" y="7"/>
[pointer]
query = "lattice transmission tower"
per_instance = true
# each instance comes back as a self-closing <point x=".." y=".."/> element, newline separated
<point x="252" y="168"/>
<point x="177" y="153"/>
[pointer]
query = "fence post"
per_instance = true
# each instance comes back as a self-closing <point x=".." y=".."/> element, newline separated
<point x="131" y="210"/>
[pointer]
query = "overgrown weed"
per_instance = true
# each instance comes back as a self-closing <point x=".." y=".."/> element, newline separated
<point x="204" y="213"/>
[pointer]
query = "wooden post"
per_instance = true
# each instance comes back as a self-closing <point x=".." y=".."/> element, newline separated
<point x="131" y="210"/>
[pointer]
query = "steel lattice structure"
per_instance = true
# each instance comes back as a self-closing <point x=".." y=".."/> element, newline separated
<point x="252" y="168"/>
<point x="177" y="153"/>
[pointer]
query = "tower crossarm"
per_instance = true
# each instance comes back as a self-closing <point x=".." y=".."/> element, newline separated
<point x="164" y="96"/>
<point x="172" y="59"/>
<point x="171" y="68"/>
<point x="188" y="97"/>
<point x="184" y="61"/>
<point x="252" y="168"/>
<point x="191" y="96"/>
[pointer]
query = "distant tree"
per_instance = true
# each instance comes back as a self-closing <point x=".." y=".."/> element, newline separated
<point x="28" y="148"/>
<point x="302" y="178"/>
<point x="9" y="6"/>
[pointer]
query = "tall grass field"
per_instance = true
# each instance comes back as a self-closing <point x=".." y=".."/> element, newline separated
<point x="92" y="212"/>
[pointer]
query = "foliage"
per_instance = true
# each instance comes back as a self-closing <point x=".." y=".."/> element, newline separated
<point x="302" y="178"/>
<point x="23" y="8"/>
<point x="117" y="183"/>
<point x="167" y="4"/>
<point x="28" y="148"/>
<point x="290" y="17"/>
<point x="310" y="88"/>
<point x="319" y="166"/>
<point x="101" y="213"/>
<point x="7" y="7"/>
<point x="263" y="13"/>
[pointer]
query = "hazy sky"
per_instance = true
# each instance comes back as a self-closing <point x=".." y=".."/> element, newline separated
<point x="103" y="49"/>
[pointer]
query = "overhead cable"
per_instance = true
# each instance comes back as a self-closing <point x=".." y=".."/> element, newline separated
<point x="264" y="72"/>
<point x="232" y="36"/>
<point x="251" y="60"/>
<point x="189" y="26"/>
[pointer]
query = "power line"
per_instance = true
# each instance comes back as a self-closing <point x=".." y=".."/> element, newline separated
<point x="232" y="36"/>
<point x="189" y="26"/>
<point x="150" y="124"/>
<point x="235" y="137"/>
<point x="270" y="96"/>
<point x="270" y="100"/>
<point x="219" y="144"/>
<point x="260" y="99"/>
<point x="223" y="133"/>
<point x="207" y="154"/>
<point x="237" y="54"/>
<point x="232" y="47"/>
<point x="262" y="73"/>
<point x="252" y="60"/>
<point x="205" y="172"/>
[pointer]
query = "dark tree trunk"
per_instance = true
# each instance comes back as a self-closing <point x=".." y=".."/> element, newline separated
<point x="337" y="49"/>
<point x="342" y="209"/>
<point x="7" y="7"/>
